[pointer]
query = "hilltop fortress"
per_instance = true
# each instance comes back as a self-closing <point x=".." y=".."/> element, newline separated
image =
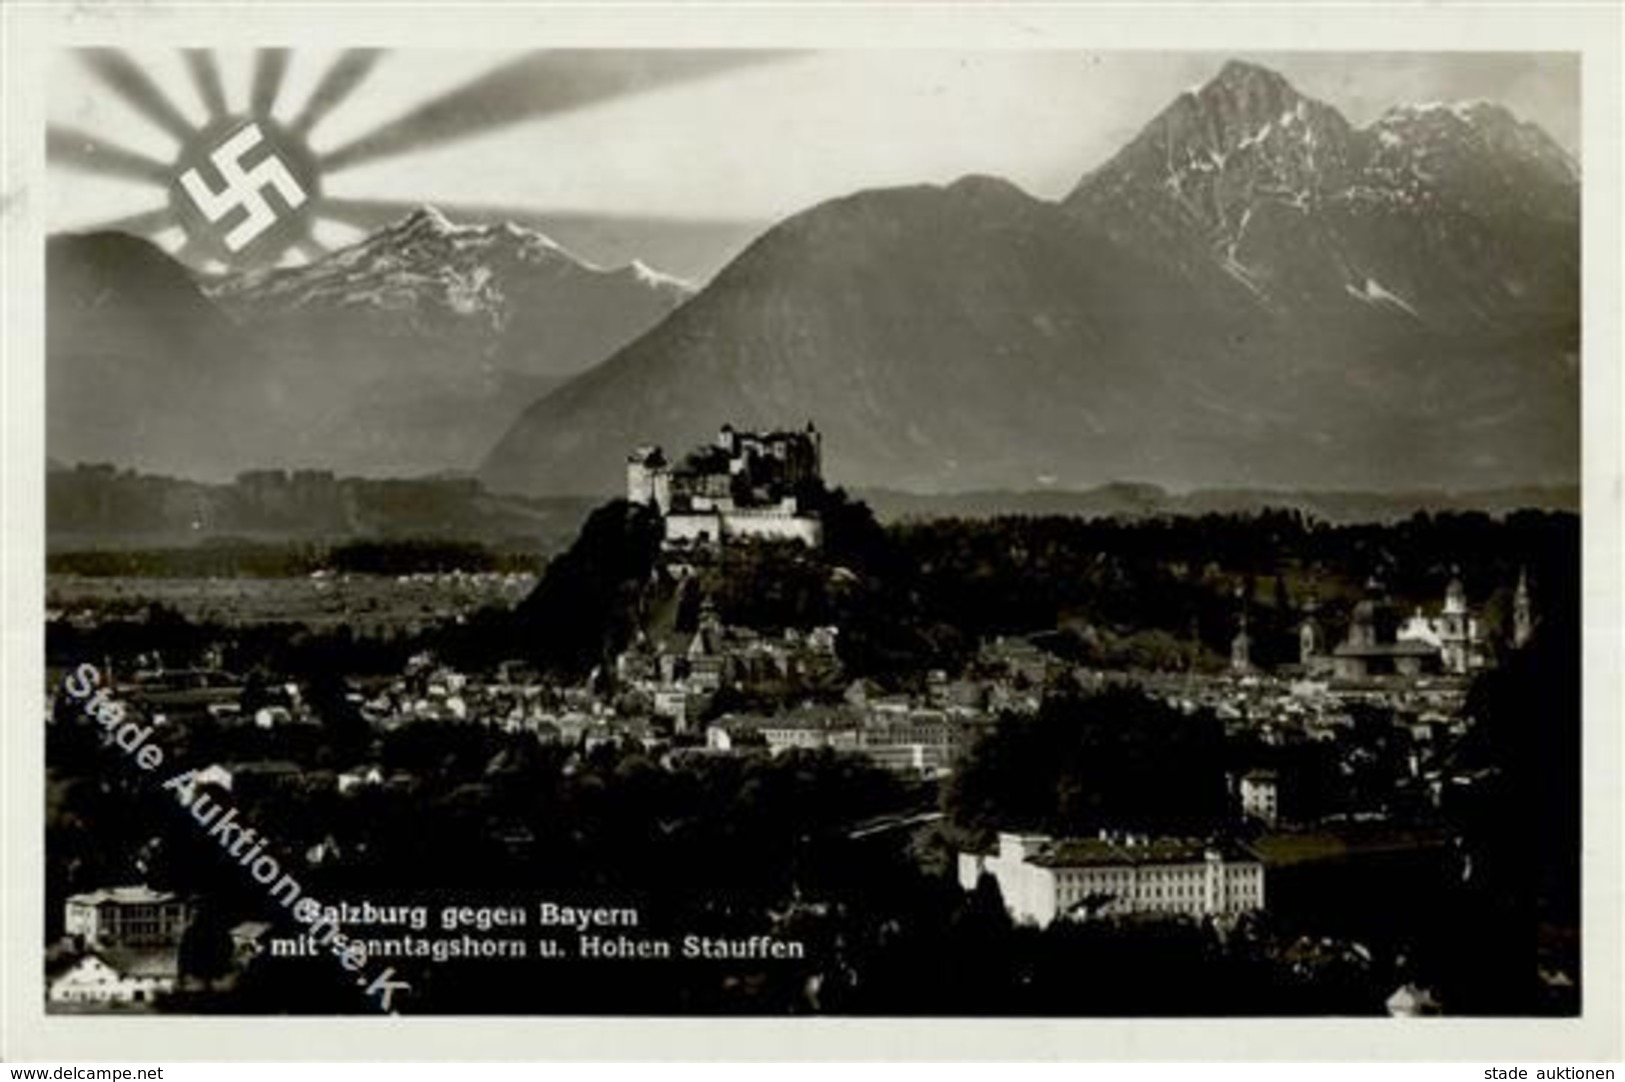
<point x="763" y="485"/>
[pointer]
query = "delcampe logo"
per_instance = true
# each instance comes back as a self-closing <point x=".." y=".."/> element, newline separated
<point x="243" y="188"/>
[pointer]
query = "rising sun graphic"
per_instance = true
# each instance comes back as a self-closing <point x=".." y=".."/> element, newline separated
<point x="245" y="189"/>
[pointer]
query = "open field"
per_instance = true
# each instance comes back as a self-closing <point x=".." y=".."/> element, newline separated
<point x="365" y="603"/>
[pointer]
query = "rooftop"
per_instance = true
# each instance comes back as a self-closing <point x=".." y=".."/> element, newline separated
<point x="1096" y="852"/>
<point x="1387" y="649"/>
<point x="137" y="895"/>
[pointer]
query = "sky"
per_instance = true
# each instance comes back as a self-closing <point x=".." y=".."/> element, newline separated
<point x="680" y="159"/>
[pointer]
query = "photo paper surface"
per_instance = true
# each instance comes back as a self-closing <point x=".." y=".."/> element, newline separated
<point x="554" y="526"/>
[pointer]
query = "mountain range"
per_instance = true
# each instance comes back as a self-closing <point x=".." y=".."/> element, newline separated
<point x="400" y="355"/>
<point x="1252" y="292"/>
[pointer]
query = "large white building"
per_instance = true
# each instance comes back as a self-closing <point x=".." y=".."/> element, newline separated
<point x="123" y="948"/>
<point x="917" y="742"/>
<point x="125" y="917"/>
<point x="1043" y="879"/>
<point x="1455" y="633"/>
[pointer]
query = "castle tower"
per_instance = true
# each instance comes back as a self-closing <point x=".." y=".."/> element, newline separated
<point x="816" y="440"/>
<point x="648" y="479"/>
<point x="1523" y="612"/>
<point x="1241" y="647"/>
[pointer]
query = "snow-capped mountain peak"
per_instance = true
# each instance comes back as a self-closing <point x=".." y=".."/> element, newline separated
<point x="427" y="298"/>
<point x="429" y="228"/>
<point x="648" y="275"/>
<point x="1477" y="127"/>
<point x="433" y="274"/>
<point x="1284" y="197"/>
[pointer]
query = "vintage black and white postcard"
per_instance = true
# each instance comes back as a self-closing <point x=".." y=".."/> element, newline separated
<point x="625" y="521"/>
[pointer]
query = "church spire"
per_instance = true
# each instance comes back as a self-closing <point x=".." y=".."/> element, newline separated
<point x="1310" y="645"/>
<point x="1523" y="614"/>
<point x="1241" y="647"/>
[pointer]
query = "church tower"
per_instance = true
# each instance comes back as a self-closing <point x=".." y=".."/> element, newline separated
<point x="1455" y="609"/>
<point x="1241" y="648"/>
<point x="1523" y="613"/>
<point x="1454" y="629"/>
<point x="708" y="636"/>
<point x="1310" y="643"/>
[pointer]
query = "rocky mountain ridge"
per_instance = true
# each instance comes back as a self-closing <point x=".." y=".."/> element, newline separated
<point x="1252" y="292"/>
<point x="396" y="356"/>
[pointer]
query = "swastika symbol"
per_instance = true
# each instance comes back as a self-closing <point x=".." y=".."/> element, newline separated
<point x="243" y="188"/>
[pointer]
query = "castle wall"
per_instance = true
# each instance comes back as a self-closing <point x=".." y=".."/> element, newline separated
<point x="691" y="527"/>
<point x="774" y="526"/>
<point x="724" y="525"/>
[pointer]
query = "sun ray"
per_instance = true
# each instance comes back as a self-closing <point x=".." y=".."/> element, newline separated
<point x="348" y="72"/>
<point x="171" y="239"/>
<point x="120" y="74"/>
<point x="145" y="223"/>
<point x="74" y="149"/>
<point x="270" y="67"/>
<point x="205" y="73"/>
<point x="336" y="234"/>
<point x="538" y="84"/>
<point x="364" y="214"/>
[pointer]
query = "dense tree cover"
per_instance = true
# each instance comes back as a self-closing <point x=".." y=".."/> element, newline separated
<point x="1527" y="730"/>
<point x="1144" y="967"/>
<point x="613" y="816"/>
<point x="1189" y="577"/>
<point x="1520" y="889"/>
<point x="590" y="599"/>
<point x="262" y="559"/>
<point x="285" y="649"/>
<point x="1114" y="760"/>
<point x="719" y="843"/>
<point x="710" y="845"/>
<point x="858" y="581"/>
<point x="730" y="847"/>
<point x="1154" y="593"/>
<point x="1147" y="594"/>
